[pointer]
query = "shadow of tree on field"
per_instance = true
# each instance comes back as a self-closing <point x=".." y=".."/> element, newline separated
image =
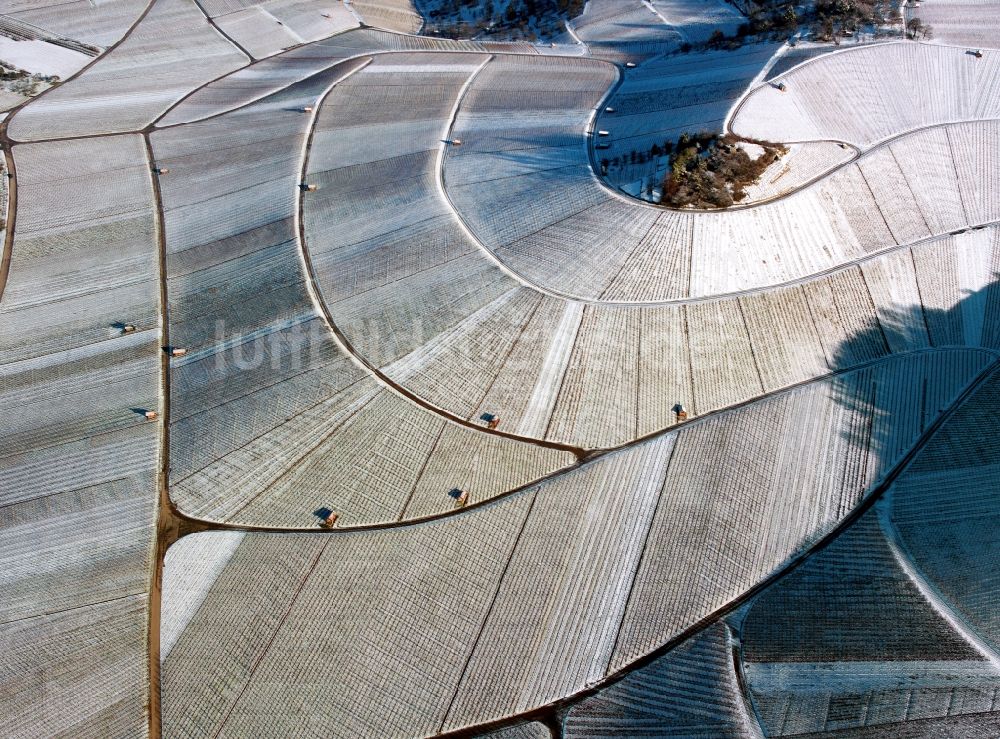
<point x="918" y="358"/>
<point x="849" y="640"/>
<point x="845" y="631"/>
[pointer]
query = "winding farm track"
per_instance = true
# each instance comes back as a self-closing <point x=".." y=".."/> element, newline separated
<point x="365" y="414"/>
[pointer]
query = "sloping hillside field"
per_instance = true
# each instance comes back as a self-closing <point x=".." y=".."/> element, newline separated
<point x="349" y="388"/>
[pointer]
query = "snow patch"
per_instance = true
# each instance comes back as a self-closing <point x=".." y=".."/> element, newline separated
<point x="41" y="57"/>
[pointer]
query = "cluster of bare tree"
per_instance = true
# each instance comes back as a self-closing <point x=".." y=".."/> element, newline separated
<point x="916" y="29"/>
<point x="827" y="20"/>
<point x="515" y="19"/>
<point x="711" y="171"/>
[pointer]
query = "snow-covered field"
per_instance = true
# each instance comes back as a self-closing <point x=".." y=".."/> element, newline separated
<point x="567" y="442"/>
<point x="666" y="97"/>
<point x="973" y="23"/>
<point x="270" y="26"/>
<point x="802" y="164"/>
<point x="41" y="57"/>
<point x="98" y="23"/>
<point x="899" y="86"/>
<point x="632" y="30"/>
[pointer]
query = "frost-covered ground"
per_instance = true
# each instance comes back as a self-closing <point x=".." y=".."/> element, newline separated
<point x="697" y="20"/>
<point x="29" y="66"/>
<point x="666" y="97"/>
<point x="41" y="57"/>
<point x="395" y="291"/>
<point x="972" y="22"/>
<point x="695" y="92"/>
